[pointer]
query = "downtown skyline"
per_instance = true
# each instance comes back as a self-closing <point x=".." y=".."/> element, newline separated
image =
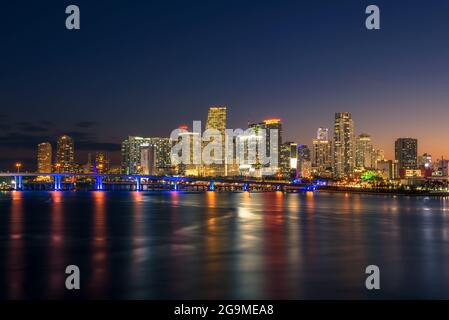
<point x="299" y="61"/>
<point x="113" y="150"/>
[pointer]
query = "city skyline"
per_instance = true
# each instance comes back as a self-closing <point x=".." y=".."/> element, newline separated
<point x="276" y="60"/>
<point x="63" y="153"/>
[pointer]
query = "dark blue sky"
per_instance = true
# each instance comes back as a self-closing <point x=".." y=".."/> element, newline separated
<point x="144" y="67"/>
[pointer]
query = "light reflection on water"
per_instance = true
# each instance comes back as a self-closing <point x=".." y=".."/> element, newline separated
<point x="211" y="245"/>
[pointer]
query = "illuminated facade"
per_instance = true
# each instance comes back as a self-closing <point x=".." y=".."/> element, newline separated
<point x="132" y="155"/>
<point x="216" y="119"/>
<point x="406" y="153"/>
<point x="289" y="160"/>
<point x="344" y="146"/>
<point x="65" y="154"/>
<point x="101" y="164"/>
<point x="271" y="129"/>
<point x="44" y="158"/>
<point x="365" y="156"/>
<point x="322" y="154"/>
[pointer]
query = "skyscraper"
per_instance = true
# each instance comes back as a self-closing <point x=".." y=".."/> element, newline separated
<point x="132" y="154"/>
<point x="364" y="157"/>
<point x="322" y="153"/>
<point x="216" y="119"/>
<point x="65" y="154"/>
<point x="344" y="147"/>
<point x="271" y="129"/>
<point x="101" y="164"/>
<point x="288" y="160"/>
<point x="44" y="157"/>
<point x="304" y="163"/>
<point x="406" y="153"/>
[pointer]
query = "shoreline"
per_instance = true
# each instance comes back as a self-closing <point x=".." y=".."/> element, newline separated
<point x="413" y="193"/>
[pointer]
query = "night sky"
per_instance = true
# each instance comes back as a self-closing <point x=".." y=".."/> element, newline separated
<point x="144" y="67"/>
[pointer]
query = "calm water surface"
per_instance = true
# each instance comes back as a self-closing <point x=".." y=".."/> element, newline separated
<point x="222" y="245"/>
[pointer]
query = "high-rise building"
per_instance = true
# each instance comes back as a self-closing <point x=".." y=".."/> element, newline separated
<point x="101" y="164"/>
<point x="406" y="153"/>
<point x="344" y="146"/>
<point x="132" y="154"/>
<point x="388" y="169"/>
<point x="304" y="163"/>
<point x="271" y="129"/>
<point x="44" y="157"/>
<point x="322" y="153"/>
<point x="364" y="157"/>
<point x="289" y="160"/>
<point x="216" y="119"/>
<point x="148" y="159"/>
<point x="65" y="154"/>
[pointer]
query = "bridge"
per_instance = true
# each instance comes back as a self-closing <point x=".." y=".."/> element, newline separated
<point x="66" y="181"/>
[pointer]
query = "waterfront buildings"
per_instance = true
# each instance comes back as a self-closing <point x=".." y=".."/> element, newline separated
<point x="65" y="154"/>
<point x="44" y="157"/>
<point x="304" y="162"/>
<point x="271" y="131"/>
<point x="321" y="156"/>
<point x="135" y="161"/>
<point x="343" y="146"/>
<point x="406" y="153"/>
<point x="364" y="157"/>
<point x="216" y="119"/>
<point x="289" y="160"/>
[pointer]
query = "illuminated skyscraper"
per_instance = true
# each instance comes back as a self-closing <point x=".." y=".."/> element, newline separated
<point x="288" y="160"/>
<point x="271" y="129"/>
<point x="44" y="158"/>
<point x="364" y="157"/>
<point x="406" y="153"/>
<point x="216" y="119"/>
<point x="344" y="146"/>
<point x="322" y="153"/>
<point x="101" y="164"/>
<point x="304" y="162"/>
<point x="65" y="154"/>
<point x="132" y="154"/>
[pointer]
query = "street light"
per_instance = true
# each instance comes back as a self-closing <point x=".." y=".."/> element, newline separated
<point x="18" y="166"/>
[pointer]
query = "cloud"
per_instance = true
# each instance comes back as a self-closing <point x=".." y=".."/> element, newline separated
<point x="86" y="124"/>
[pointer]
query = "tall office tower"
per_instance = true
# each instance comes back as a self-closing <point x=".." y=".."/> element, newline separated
<point x="322" y="153"/>
<point x="147" y="159"/>
<point x="288" y="160"/>
<point x="344" y="146"/>
<point x="272" y="130"/>
<point x="65" y="154"/>
<point x="304" y="163"/>
<point x="101" y="164"/>
<point x="364" y="157"/>
<point x="44" y="155"/>
<point x="190" y="165"/>
<point x="216" y="119"/>
<point x="132" y="154"/>
<point x="406" y="153"/>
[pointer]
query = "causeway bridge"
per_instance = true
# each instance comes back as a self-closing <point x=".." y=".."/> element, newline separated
<point x="100" y="182"/>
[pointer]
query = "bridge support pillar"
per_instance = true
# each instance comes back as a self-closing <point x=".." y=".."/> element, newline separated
<point x="99" y="183"/>
<point x="58" y="184"/>
<point x="246" y="186"/>
<point x="211" y="185"/>
<point x="175" y="186"/>
<point x="18" y="185"/>
<point x="138" y="184"/>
